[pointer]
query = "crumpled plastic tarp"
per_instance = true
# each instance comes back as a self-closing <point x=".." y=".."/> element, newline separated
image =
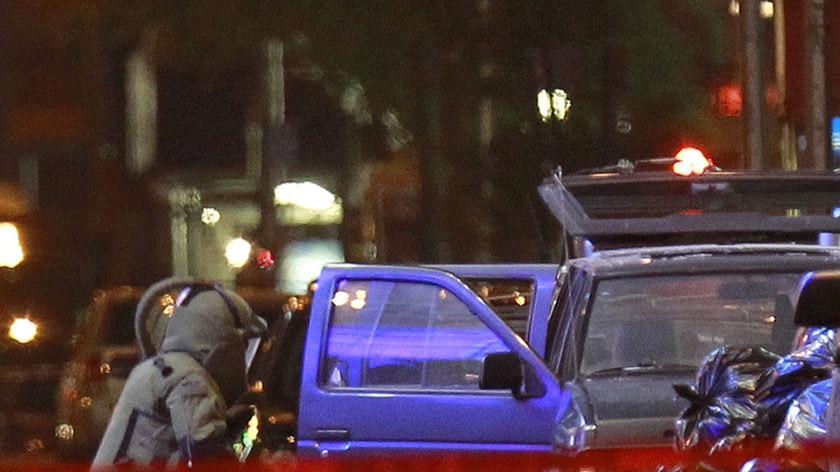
<point x="723" y="402"/>
<point x="747" y="392"/>
<point x="805" y="419"/>
<point x="792" y="376"/>
<point x="740" y="396"/>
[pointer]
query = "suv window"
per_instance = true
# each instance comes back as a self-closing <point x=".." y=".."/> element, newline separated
<point x="406" y="335"/>
<point x="679" y="319"/>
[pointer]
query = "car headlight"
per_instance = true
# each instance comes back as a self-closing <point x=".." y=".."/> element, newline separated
<point x="572" y="432"/>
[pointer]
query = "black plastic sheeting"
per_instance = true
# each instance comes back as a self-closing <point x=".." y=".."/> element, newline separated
<point x="724" y="402"/>
<point x="748" y="394"/>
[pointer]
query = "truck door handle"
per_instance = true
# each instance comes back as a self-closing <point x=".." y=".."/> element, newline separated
<point x="332" y="434"/>
<point x="332" y="440"/>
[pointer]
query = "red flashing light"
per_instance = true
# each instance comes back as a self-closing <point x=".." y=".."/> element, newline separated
<point x="729" y="100"/>
<point x="690" y="161"/>
<point x="265" y="260"/>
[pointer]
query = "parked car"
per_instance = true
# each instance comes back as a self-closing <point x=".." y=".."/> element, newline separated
<point x="103" y="352"/>
<point x="27" y="406"/>
<point x="703" y="261"/>
<point x="626" y="326"/>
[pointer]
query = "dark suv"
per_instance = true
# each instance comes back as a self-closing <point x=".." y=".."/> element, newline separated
<point x="704" y="261"/>
<point x="629" y="324"/>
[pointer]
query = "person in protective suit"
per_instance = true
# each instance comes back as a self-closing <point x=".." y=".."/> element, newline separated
<point x="174" y="407"/>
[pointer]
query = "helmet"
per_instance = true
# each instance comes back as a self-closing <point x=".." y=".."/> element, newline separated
<point x="179" y="291"/>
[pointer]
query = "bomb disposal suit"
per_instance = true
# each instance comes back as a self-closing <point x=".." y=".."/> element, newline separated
<point x="174" y="405"/>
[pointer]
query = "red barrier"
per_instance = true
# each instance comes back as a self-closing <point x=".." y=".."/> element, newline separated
<point x="811" y="457"/>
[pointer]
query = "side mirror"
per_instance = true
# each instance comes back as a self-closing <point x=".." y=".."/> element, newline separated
<point x="819" y="300"/>
<point x="502" y="371"/>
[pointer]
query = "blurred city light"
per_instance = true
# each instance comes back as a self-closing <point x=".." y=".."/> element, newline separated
<point x="301" y="262"/>
<point x="210" y="216"/>
<point x="265" y="259"/>
<point x="340" y="298"/>
<point x="23" y="330"/>
<point x="766" y="8"/>
<point x="553" y="104"/>
<point x="11" y="252"/>
<point x="304" y="194"/>
<point x="237" y="253"/>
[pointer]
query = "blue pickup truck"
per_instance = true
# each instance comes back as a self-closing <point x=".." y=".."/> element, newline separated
<point x="398" y="358"/>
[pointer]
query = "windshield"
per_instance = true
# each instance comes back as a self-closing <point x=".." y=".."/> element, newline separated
<point x="676" y="320"/>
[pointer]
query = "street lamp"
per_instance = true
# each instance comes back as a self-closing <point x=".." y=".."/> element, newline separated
<point x="11" y="252"/>
<point x="237" y="252"/>
<point x="23" y="330"/>
<point x="553" y="104"/>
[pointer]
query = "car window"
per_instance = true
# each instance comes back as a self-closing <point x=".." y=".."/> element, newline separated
<point x="404" y="335"/>
<point x="119" y="328"/>
<point x="511" y="299"/>
<point x="679" y="319"/>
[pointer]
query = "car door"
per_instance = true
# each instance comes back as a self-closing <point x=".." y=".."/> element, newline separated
<point x="396" y="364"/>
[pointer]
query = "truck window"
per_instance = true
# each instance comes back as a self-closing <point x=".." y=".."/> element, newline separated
<point x="405" y="335"/>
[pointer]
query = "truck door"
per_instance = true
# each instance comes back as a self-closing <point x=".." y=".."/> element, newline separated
<point x="393" y="362"/>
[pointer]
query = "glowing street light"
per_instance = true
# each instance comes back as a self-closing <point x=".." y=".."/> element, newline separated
<point x="237" y="253"/>
<point x="23" y="330"/>
<point x="11" y="252"/>
<point x="210" y="216"/>
<point x="307" y="195"/>
<point x="553" y="104"/>
<point x="766" y="9"/>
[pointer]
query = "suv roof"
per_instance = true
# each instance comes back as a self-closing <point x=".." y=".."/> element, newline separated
<point x="642" y="208"/>
<point x="708" y="257"/>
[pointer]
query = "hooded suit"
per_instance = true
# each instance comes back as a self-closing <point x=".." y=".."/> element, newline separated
<point x="173" y="406"/>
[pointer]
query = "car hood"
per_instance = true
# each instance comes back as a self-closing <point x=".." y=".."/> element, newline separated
<point x="635" y="409"/>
